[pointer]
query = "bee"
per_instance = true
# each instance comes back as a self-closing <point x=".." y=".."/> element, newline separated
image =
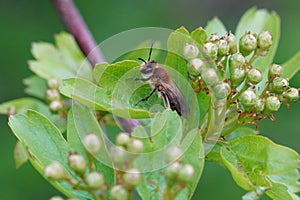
<point x="161" y="81"/>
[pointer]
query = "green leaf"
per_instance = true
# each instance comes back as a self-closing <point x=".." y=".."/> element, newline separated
<point x="166" y="130"/>
<point x="20" y="154"/>
<point x="241" y="131"/>
<point x="199" y="35"/>
<point x="61" y="61"/>
<point x="96" y="97"/>
<point x="176" y="42"/>
<point x="193" y="155"/>
<point x="291" y="67"/>
<point x="81" y="121"/>
<point x="108" y="76"/>
<point x="23" y="104"/>
<point x="257" y="161"/>
<point x="35" y="86"/>
<point x="86" y="93"/>
<point x="215" y="26"/>
<point x="45" y="144"/>
<point x="257" y="21"/>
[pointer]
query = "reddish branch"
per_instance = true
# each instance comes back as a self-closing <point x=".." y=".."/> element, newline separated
<point x="77" y="27"/>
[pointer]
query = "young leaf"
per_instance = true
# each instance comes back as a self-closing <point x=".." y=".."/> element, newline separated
<point x="193" y="155"/>
<point x="23" y="104"/>
<point x="111" y="74"/>
<point x="96" y="97"/>
<point x="257" y="161"/>
<point x="45" y="144"/>
<point x="35" y="86"/>
<point x="199" y="35"/>
<point x="291" y="67"/>
<point x="176" y="41"/>
<point x="20" y="154"/>
<point x="86" y="93"/>
<point x="215" y="26"/>
<point x="63" y="61"/>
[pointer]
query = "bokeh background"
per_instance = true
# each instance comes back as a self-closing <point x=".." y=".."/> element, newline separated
<point x="22" y="22"/>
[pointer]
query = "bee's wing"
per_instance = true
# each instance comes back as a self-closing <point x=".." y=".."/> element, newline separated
<point x="175" y="98"/>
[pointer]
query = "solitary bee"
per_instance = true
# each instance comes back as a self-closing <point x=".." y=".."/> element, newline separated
<point x="161" y="81"/>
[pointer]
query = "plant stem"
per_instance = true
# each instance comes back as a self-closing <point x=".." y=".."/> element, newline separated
<point x="209" y="116"/>
<point x="246" y="86"/>
<point x="76" y="25"/>
<point x="168" y="192"/>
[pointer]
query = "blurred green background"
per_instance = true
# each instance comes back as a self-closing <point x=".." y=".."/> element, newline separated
<point x="23" y="22"/>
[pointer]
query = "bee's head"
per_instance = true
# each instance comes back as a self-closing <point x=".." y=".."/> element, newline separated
<point x="147" y="67"/>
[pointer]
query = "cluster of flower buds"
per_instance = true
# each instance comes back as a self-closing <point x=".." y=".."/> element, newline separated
<point x="53" y="95"/>
<point x="87" y="178"/>
<point x="177" y="174"/>
<point x="123" y="155"/>
<point x="232" y="59"/>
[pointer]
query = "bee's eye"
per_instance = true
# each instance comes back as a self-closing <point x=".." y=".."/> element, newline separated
<point x="148" y="69"/>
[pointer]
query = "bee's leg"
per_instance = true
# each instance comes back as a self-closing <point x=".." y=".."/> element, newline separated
<point x="147" y="97"/>
<point x="166" y="101"/>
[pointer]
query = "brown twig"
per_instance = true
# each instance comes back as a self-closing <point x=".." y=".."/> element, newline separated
<point x="77" y="27"/>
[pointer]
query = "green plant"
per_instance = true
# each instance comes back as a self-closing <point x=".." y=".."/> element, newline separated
<point x="228" y="80"/>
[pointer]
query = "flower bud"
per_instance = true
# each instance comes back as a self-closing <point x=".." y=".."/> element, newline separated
<point x="231" y="39"/>
<point x="190" y="51"/>
<point x="173" y="153"/>
<point x="247" y="44"/>
<point x="264" y="40"/>
<point x="136" y="146"/>
<point x="254" y="76"/>
<point x="272" y="104"/>
<point x="118" y="192"/>
<point x="275" y="71"/>
<point x="52" y="95"/>
<point x="186" y="174"/>
<point x="211" y="49"/>
<point x="291" y="95"/>
<point x="118" y="155"/>
<point x="209" y="76"/>
<point x="221" y="90"/>
<point x="171" y="171"/>
<point x="248" y="99"/>
<point x="132" y="178"/>
<point x="223" y="47"/>
<point x="92" y="143"/>
<point x="123" y="139"/>
<point x="237" y="60"/>
<point x="278" y="85"/>
<point x="56" y="106"/>
<point x="53" y="83"/>
<point x="259" y="106"/>
<point x="213" y="37"/>
<point x="237" y="76"/>
<point x="195" y="66"/>
<point x="95" y="181"/>
<point x="55" y="171"/>
<point x="77" y="163"/>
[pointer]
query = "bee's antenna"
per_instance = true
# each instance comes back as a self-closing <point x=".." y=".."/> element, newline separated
<point x="152" y="43"/>
<point x="142" y="60"/>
